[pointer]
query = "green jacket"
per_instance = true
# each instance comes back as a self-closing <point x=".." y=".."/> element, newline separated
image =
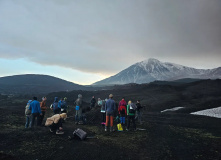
<point x="128" y="113"/>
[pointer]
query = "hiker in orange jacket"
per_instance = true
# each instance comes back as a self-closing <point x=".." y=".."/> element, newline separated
<point x="43" y="110"/>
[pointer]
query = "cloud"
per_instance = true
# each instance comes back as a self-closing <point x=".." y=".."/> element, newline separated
<point x="107" y="36"/>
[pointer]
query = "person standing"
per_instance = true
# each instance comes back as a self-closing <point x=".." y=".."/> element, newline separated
<point x="78" y="114"/>
<point x="110" y="107"/>
<point x="35" y="110"/>
<point x="93" y="102"/>
<point x="43" y="110"/>
<point x="139" y="113"/>
<point x="64" y="106"/>
<point x="122" y="110"/>
<point x="28" y="115"/>
<point x="60" y="104"/>
<point x="55" y="107"/>
<point x="101" y="103"/>
<point x="131" y="109"/>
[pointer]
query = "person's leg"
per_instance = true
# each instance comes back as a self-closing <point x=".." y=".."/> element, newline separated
<point x="80" y="114"/>
<point x="59" y="124"/>
<point x="38" y="119"/>
<point x="32" y="119"/>
<point x="140" y="117"/>
<point x="102" y="118"/>
<point x="27" y="121"/>
<point x="76" y="116"/>
<point x="42" y="117"/>
<point x="123" y="120"/>
<point x="111" y="122"/>
<point x="133" y="120"/>
<point x="107" y="121"/>
<point x="53" y="127"/>
<point x="105" y="118"/>
<point x="128" y="122"/>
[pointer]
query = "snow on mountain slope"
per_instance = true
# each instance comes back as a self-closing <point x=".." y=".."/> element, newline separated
<point x="152" y="69"/>
<point x="214" y="112"/>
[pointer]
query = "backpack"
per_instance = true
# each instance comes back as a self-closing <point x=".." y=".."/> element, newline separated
<point x="27" y="111"/>
<point x="80" y="134"/>
<point x="55" y="105"/>
<point x="132" y="108"/>
<point x="119" y="127"/>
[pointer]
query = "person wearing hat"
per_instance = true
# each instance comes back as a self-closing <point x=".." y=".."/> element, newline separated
<point x="110" y="108"/>
<point x="55" y="123"/>
<point x="43" y="110"/>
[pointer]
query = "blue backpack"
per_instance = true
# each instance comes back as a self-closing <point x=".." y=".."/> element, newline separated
<point x="55" y="106"/>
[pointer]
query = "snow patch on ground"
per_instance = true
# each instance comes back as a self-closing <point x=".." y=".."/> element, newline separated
<point x="172" y="109"/>
<point x="214" y="112"/>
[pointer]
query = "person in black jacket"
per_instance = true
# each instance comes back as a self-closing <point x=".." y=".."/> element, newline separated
<point x="93" y="102"/>
<point x="139" y="113"/>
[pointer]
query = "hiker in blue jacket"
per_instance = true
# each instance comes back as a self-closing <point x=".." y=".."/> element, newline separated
<point x="60" y="104"/>
<point x="55" y="107"/>
<point x="64" y="106"/>
<point x="35" y="110"/>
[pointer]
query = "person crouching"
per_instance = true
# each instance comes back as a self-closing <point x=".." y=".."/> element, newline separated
<point x="55" y="123"/>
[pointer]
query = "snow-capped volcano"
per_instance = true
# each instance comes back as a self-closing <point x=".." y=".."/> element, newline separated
<point x="153" y="69"/>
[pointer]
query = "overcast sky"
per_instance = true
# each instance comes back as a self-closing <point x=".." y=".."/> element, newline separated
<point x="84" y="41"/>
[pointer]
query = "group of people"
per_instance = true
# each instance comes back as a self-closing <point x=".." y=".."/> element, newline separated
<point x="36" y="110"/>
<point x="130" y="110"/>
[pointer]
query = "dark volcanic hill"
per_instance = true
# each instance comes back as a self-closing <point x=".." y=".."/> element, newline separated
<point x="32" y="83"/>
<point x="152" y="69"/>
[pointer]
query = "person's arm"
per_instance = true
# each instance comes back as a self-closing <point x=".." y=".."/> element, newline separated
<point x="39" y="108"/>
<point x="127" y="109"/>
<point x="30" y="108"/>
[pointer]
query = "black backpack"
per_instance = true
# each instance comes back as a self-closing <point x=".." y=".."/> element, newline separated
<point x="132" y="108"/>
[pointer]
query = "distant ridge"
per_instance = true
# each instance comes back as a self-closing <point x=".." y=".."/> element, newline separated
<point x="35" y="84"/>
<point x="153" y="70"/>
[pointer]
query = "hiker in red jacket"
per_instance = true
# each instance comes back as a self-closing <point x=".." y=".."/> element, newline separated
<point x="122" y="110"/>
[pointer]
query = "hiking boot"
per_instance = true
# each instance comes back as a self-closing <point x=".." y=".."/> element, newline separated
<point x="59" y="132"/>
<point x="112" y="129"/>
<point x="80" y="122"/>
